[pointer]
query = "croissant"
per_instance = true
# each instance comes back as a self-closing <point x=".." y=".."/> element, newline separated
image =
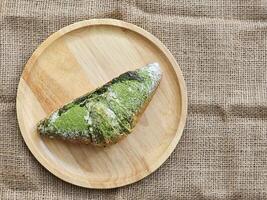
<point x="105" y="115"/>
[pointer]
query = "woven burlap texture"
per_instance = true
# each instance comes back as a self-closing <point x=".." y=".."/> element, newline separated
<point x="221" y="47"/>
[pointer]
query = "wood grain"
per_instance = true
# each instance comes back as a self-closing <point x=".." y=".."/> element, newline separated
<point x="79" y="58"/>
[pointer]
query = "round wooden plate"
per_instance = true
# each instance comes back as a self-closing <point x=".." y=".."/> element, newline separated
<point x="79" y="58"/>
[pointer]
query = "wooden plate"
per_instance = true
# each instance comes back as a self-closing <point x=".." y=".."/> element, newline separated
<point x="79" y="58"/>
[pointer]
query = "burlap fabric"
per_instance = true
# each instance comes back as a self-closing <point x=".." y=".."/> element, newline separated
<point x="221" y="47"/>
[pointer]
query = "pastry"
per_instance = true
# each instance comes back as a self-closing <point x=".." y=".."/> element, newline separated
<point x="106" y="114"/>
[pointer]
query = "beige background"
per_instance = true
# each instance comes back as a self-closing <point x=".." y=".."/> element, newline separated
<point x="221" y="47"/>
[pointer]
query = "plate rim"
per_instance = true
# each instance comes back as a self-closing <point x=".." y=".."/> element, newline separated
<point x="181" y="84"/>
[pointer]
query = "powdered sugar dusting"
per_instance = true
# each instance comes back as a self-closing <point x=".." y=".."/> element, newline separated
<point x="88" y="119"/>
<point x="110" y="113"/>
<point x="111" y="94"/>
<point x="154" y="71"/>
<point x="54" y="117"/>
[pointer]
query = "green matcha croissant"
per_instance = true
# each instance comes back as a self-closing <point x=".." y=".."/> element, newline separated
<point x="106" y="114"/>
